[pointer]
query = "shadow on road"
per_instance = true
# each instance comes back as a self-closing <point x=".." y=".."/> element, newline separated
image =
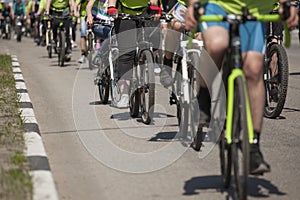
<point x="294" y="73"/>
<point x="291" y="109"/>
<point x="258" y="187"/>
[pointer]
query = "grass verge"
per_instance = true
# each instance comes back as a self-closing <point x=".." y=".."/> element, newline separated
<point x="15" y="181"/>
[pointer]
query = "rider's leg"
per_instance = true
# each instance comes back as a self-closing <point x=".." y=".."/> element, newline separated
<point x="172" y="39"/>
<point x="83" y="29"/>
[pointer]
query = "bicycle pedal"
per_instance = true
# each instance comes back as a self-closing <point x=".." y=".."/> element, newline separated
<point x="172" y="101"/>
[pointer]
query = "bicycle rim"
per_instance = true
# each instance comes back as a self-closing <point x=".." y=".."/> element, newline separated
<point x="276" y="81"/>
<point x="148" y="87"/>
<point x="240" y="141"/>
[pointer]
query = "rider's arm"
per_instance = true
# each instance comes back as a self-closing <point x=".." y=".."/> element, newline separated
<point x="112" y="3"/>
<point x="48" y="5"/>
<point x="293" y="18"/>
<point x="89" y="15"/>
<point x="77" y="6"/>
<point x="71" y="3"/>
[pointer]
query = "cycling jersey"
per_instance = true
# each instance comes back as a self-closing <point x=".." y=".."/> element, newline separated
<point x="19" y="8"/>
<point x="99" y="9"/>
<point x="83" y="4"/>
<point x="6" y="12"/>
<point x="59" y="5"/>
<point x="133" y="7"/>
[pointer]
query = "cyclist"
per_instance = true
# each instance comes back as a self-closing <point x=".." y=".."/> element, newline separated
<point x="6" y="11"/>
<point x="97" y="9"/>
<point x="216" y="42"/>
<point x="61" y="8"/>
<point x="80" y="11"/>
<point x="42" y="19"/>
<point x="126" y="60"/>
<point x="172" y="38"/>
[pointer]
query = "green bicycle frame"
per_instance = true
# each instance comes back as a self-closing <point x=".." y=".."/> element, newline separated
<point x="235" y="73"/>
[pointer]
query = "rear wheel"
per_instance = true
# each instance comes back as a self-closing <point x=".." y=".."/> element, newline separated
<point x="276" y="80"/>
<point x="148" y="86"/>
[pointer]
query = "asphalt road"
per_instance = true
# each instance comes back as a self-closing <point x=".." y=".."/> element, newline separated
<point x="98" y="152"/>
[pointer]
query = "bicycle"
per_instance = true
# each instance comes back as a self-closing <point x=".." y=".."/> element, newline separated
<point x="106" y="79"/>
<point x="61" y="38"/>
<point x="49" y="38"/>
<point x="7" y="28"/>
<point x="276" y="74"/>
<point x="90" y="43"/>
<point x="142" y="85"/>
<point x="238" y="133"/>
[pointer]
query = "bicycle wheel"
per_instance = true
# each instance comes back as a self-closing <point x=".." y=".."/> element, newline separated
<point x="90" y="51"/>
<point x="103" y="86"/>
<point x="49" y="44"/>
<point x="148" y="86"/>
<point x="62" y="48"/>
<point x="196" y="129"/>
<point x="276" y="80"/>
<point x="240" y="141"/>
<point x="225" y="160"/>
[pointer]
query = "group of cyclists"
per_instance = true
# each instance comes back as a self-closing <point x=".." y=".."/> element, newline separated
<point x="214" y="35"/>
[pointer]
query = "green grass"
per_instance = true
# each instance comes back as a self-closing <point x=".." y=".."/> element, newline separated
<point x="15" y="181"/>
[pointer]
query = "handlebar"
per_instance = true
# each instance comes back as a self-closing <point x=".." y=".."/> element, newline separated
<point x="242" y="18"/>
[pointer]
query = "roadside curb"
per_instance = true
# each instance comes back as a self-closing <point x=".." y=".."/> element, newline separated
<point x="43" y="182"/>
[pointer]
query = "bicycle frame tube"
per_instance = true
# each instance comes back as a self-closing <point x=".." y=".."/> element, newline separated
<point x="231" y="79"/>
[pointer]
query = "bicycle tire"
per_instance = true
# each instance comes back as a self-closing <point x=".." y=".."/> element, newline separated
<point x="90" y="51"/>
<point x="196" y="129"/>
<point x="147" y="94"/>
<point x="134" y="101"/>
<point x="281" y="79"/>
<point x="103" y="87"/>
<point x="8" y="34"/>
<point x="49" y="45"/>
<point x="225" y="161"/>
<point x="240" y="140"/>
<point x="63" y="48"/>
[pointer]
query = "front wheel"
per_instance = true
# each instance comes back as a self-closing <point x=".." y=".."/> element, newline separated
<point x="62" y="49"/>
<point x="276" y="80"/>
<point x="148" y="86"/>
<point x="240" y="141"/>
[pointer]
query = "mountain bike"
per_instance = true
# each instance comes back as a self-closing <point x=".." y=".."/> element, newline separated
<point x="142" y="85"/>
<point x="238" y="134"/>
<point x="276" y="73"/>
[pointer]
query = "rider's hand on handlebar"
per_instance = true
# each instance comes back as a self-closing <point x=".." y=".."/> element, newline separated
<point x="112" y="11"/>
<point x="155" y="11"/>
<point x="289" y="14"/>
<point x="190" y="21"/>
<point x="89" y="20"/>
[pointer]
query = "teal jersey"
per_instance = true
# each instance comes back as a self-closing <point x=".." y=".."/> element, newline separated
<point x="99" y="9"/>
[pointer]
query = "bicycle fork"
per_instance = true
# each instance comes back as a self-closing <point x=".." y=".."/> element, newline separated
<point x="235" y="74"/>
